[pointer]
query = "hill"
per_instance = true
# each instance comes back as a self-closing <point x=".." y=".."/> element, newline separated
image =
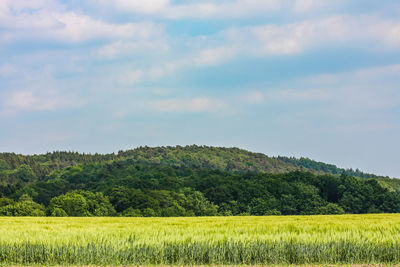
<point x="186" y="181"/>
<point x="218" y="158"/>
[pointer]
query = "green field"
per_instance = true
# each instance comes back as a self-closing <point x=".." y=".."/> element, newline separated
<point x="340" y="239"/>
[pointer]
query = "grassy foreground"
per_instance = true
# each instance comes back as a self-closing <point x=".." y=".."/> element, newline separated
<point x="341" y="239"/>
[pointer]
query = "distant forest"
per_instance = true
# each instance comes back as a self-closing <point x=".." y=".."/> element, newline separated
<point x="186" y="181"/>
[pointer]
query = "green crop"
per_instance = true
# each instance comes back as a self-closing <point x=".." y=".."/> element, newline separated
<point x="340" y="239"/>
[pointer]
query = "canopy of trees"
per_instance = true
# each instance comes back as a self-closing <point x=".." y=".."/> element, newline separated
<point x="219" y="158"/>
<point x="185" y="181"/>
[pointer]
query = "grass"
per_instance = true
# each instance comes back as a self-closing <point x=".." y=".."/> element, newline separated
<point x="340" y="239"/>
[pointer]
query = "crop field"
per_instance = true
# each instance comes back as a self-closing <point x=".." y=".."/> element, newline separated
<point x="340" y="239"/>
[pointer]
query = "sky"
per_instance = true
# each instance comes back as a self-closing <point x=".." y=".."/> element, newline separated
<point x="304" y="78"/>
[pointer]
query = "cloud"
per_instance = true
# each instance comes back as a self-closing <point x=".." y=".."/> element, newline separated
<point x="358" y="31"/>
<point x="348" y="94"/>
<point x="366" y="89"/>
<point x="193" y="10"/>
<point x="302" y="6"/>
<point x="147" y="7"/>
<point x="131" y="77"/>
<point x="272" y="40"/>
<point x="215" y="56"/>
<point x="76" y="28"/>
<point x="218" y="10"/>
<point x="293" y="38"/>
<point x="41" y="21"/>
<point x="128" y="48"/>
<point x="387" y="31"/>
<point x="20" y="5"/>
<point x="7" y="70"/>
<point x="198" y="104"/>
<point x="285" y="96"/>
<point x="293" y="95"/>
<point x="379" y="72"/>
<point x="254" y="97"/>
<point x="204" y="58"/>
<point x="361" y="32"/>
<point x="37" y="100"/>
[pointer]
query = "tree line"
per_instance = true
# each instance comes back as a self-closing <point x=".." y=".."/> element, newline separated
<point x="129" y="187"/>
<point x="218" y="158"/>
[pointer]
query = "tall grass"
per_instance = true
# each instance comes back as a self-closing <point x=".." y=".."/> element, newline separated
<point x="342" y="239"/>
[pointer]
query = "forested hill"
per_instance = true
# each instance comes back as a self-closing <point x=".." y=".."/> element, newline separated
<point x="185" y="181"/>
<point x="217" y="158"/>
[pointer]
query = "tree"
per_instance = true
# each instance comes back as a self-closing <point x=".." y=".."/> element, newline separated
<point x="288" y="204"/>
<point x="149" y="212"/>
<point x="72" y="203"/>
<point x="58" y="212"/>
<point x="24" y="207"/>
<point x="261" y="206"/>
<point x="351" y="203"/>
<point x="25" y="173"/>
<point x="120" y="197"/>
<point x="330" y="208"/>
<point x="26" y="190"/>
<point x="229" y="208"/>
<point x="81" y="203"/>
<point x="4" y="165"/>
<point x="131" y="212"/>
<point x="198" y="204"/>
<point x="98" y="204"/>
<point x="6" y="201"/>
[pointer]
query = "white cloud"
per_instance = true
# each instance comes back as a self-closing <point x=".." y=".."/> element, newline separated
<point x="379" y="72"/>
<point x="388" y="32"/>
<point x="367" y="89"/>
<point x="221" y="9"/>
<point x="285" y="96"/>
<point x="254" y="97"/>
<point x="7" y="70"/>
<point x="384" y="74"/>
<point x="272" y="39"/>
<point x="349" y="93"/>
<point x="37" y="100"/>
<point x="215" y="56"/>
<point x="355" y="100"/>
<point x="26" y="14"/>
<point x="299" y="95"/>
<point x="126" y="48"/>
<point x="82" y="28"/>
<point x="312" y="5"/>
<point x="137" y="6"/>
<point x="28" y="4"/>
<point x="256" y="42"/>
<point x="194" y="10"/>
<point x="259" y="41"/>
<point x="40" y="20"/>
<point x="205" y="57"/>
<point x="288" y="39"/>
<point x="198" y="104"/>
<point x="131" y="77"/>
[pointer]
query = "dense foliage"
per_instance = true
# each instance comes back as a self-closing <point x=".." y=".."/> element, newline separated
<point x="14" y="166"/>
<point x="183" y="181"/>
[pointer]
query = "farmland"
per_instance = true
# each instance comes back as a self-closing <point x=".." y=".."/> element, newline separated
<point x="334" y="239"/>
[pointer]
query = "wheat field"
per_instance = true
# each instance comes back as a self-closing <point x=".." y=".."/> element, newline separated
<point x="277" y="240"/>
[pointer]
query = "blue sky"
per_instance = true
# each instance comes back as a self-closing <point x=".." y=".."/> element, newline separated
<point x="312" y="78"/>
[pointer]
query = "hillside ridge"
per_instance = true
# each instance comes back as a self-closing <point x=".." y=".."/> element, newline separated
<point x="186" y="181"/>
<point x="221" y="158"/>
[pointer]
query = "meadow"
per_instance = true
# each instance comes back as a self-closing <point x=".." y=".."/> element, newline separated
<point x="333" y="239"/>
